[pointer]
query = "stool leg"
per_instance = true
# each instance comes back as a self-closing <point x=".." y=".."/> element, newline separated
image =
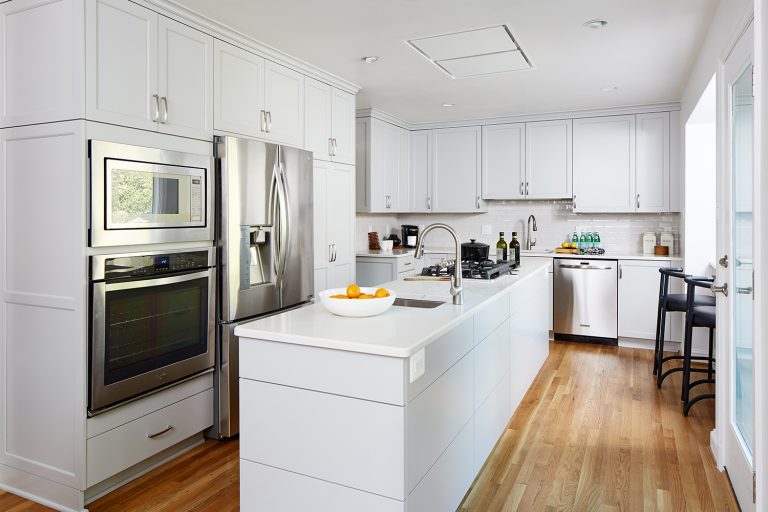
<point x="656" y="348"/>
<point x="687" y="357"/>
<point x="711" y="352"/>
<point x="660" y="345"/>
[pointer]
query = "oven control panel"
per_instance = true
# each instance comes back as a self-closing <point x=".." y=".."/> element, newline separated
<point x="131" y="266"/>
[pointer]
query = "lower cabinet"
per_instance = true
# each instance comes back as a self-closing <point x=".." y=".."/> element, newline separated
<point x="334" y="224"/>
<point x="639" y="299"/>
<point x="374" y="271"/>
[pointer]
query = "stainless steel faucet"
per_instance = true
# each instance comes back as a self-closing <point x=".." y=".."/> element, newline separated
<point x="456" y="288"/>
<point x="528" y="242"/>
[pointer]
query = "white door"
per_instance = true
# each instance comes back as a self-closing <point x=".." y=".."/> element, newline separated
<point x="284" y="101"/>
<point x="121" y="64"/>
<point x="736" y="383"/>
<point x="639" y="297"/>
<point x="652" y="162"/>
<point x="421" y="172"/>
<point x="341" y="224"/>
<point x="185" y="80"/>
<point x="322" y="249"/>
<point x="317" y="118"/>
<point x="457" y="170"/>
<point x="384" y="163"/>
<point x="238" y="90"/>
<point x="503" y="161"/>
<point x="403" y="169"/>
<point x="604" y="164"/>
<point x="343" y="127"/>
<point x="549" y="159"/>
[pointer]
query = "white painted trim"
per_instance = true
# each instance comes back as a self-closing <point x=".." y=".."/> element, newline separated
<point x="669" y="346"/>
<point x="714" y="447"/>
<point x="546" y="116"/>
<point x="182" y="14"/>
<point x="41" y="490"/>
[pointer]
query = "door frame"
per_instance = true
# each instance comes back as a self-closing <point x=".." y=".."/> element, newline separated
<point x="718" y="439"/>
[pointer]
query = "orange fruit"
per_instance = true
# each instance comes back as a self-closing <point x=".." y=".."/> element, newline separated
<point x="339" y="296"/>
<point x="366" y="296"/>
<point x="353" y="291"/>
<point x="381" y="293"/>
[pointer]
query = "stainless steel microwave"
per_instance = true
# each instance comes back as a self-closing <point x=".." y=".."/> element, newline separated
<point x="148" y="196"/>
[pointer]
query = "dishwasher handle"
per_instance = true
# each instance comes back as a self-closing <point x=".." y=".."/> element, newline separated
<point x="586" y="267"/>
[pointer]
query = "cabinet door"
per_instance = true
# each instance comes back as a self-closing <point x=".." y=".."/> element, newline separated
<point x="457" y="170"/>
<point x="548" y="162"/>
<point x="185" y="80"/>
<point x="504" y="161"/>
<point x="238" y="90"/>
<point x="340" y="224"/>
<point x="639" y="298"/>
<point x="121" y="64"/>
<point x="320" y="215"/>
<point x="604" y="164"/>
<point x="284" y="100"/>
<point x="420" y="170"/>
<point x="317" y="118"/>
<point x="403" y="171"/>
<point x="383" y="166"/>
<point x="343" y="126"/>
<point x="652" y="162"/>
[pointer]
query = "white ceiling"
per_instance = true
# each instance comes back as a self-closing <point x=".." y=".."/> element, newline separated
<point x="647" y="50"/>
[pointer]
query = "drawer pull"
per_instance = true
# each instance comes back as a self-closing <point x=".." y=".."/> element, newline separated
<point x="409" y="263"/>
<point x="158" y="434"/>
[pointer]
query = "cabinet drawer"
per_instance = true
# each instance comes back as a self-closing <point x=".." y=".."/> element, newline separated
<point x="491" y="359"/>
<point x="122" y="447"/>
<point x="490" y="317"/>
<point x="407" y="263"/>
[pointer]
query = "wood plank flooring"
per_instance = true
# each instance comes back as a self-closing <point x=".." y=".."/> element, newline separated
<point x="592" y="434"/>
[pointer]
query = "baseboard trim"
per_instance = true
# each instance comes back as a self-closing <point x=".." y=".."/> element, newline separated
<point x="41" y="490"/>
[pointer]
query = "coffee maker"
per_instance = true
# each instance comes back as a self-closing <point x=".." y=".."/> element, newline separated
<point x="410" y="234"/>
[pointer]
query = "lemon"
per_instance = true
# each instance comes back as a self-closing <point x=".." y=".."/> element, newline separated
<point x="353" y="291"/>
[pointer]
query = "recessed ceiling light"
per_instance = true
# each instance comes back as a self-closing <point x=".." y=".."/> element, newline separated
<point x="595" y="24"/>
<point x="449" y="104"/>
<point x="611" y="88"/>
<point x="370" y="59"/>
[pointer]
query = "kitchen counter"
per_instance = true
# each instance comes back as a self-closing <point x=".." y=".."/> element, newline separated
<point x="606" y="256"/>
<point x="394" y="253"/>
<point x="400" y="332"/>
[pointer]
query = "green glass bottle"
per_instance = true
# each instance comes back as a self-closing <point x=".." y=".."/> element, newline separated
<point x="514" y="246"/>
<point x="501" y="249"/>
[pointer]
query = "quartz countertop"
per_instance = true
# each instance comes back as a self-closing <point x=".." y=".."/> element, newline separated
<point x="606" y="256"/>
<point x="400" y="331"/>
<point x="394" y="253"/>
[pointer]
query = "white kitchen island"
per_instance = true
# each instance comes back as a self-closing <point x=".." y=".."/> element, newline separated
<point x="396" y="412"/>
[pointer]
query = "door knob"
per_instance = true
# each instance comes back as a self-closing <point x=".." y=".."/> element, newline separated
<point x="720" y="289"/>
<point x="723" y="262"/>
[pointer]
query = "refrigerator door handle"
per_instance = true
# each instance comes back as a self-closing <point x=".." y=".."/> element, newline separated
<point x="285" y="223"/>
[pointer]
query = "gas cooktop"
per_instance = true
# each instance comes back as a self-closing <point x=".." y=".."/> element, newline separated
<point x="486" y="269"/>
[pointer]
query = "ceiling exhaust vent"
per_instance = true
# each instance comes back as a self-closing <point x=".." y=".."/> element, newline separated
<point x="483" y="51"/>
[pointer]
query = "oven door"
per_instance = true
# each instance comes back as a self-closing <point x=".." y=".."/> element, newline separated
<point x="149" y="333"/>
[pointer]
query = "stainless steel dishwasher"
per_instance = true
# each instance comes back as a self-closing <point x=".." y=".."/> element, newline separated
<point x="586" y="300"/>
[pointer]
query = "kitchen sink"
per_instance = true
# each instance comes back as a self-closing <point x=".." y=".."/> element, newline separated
<point x="418" y="303"/>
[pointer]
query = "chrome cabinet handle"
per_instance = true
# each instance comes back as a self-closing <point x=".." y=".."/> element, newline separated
<point x="269" y="121"/>
<point x="522" y="190"/>
<point x="723" y="262"/>
<point x="158" y="434"/>
<point x="330" y="146"/>
<point x="387" y="203"/>
<point x="330" y="253"/>
<point x="165" y="109"/>
<point x="334" y="252"/>
<point x="335" y="147"/>
<point x="720" y="289"/>
<point x="429" y="202"/>
<point x="526" y="188"/>
<point x="621" y="271"/>
<point x="264" y="120"/>
<point x="574" y="201"/>
<point x="637" y="201"/>
<point x="477" y="202"/>
<point x="156" y="117"/>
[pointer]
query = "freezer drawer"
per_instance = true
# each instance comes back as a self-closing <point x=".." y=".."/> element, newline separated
<point x="586" y="300"/>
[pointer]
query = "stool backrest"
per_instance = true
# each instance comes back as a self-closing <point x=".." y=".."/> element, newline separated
<point x="666" y="273"/>
<point x="694" y="282"/>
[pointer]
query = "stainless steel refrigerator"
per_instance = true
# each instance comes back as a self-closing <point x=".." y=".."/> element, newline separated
<point x="265" y="251"/>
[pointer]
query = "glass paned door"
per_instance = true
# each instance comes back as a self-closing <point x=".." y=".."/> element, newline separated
<point x="742" y="385"/>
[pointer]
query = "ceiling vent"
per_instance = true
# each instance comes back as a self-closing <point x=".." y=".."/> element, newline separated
<point x="483" y="51"/>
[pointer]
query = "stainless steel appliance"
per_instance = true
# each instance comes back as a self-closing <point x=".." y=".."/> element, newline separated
<point x="265" y="241"/>
<point x="152" y="322"/>
<point x="410" y="235"/>
<point x="147" y="196"/>
<point x="486" y="269"/>
<point x="586" y="300"/>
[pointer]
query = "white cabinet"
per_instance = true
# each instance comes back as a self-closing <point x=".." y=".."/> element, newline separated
<point x="239" y="90"/>
<point x="503" y="161"/>
<point x="383" y="166"/>
<point x="334" y="225"/>
<point x="456" y="181"/>
<point x="604" y="164"/>
<point x="147" y="71"/>
<point x="372" y="271"/>
<point x="318" y="99"/>
<point x="41" y="61"/>
<point x="639" y="298"/>
<point x="548" y="159"/>
<point x="652" y="162"/>
<point x="421" y="171"/>
<point x="284" y="105"/>
<point x="343" y="126"/>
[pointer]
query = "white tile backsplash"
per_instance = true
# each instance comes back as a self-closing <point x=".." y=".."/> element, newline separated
<point x="619" y="232"/>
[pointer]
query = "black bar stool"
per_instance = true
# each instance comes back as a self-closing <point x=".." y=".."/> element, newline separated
<point x="697" y="316"/>
<point x="669" y="303"/>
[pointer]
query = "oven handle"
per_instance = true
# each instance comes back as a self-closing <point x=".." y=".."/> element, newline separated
<point x="160" y="281"/>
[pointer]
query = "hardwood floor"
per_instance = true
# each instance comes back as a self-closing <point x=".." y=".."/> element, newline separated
<point x="592" y="434"/>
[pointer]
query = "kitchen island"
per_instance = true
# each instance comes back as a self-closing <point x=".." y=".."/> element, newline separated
<point x="390" y="413"/>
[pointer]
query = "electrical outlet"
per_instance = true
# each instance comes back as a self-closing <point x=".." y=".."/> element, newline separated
<point x="485" y="229"/>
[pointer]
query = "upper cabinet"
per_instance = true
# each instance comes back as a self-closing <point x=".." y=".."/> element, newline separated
<point x="421" y="171"/>
<point x="329" y="116"/>
<point x="622" y="163"/>
<point x="147" y="71"/>
<point x="239" y="90"/>
<point x="548" y="159"/>
<point x="456" y="176"/>
<point x="283" y="105"/>
<point x="383" y="161"/>
<point x="503" y="161"/>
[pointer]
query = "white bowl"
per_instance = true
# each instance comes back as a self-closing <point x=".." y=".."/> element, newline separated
<point x="356" y="308"/>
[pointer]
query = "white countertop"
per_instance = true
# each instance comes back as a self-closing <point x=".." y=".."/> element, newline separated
<point x="606" y="256"/>
<point x="394" y="253"/>
<point x="400" y="332"/>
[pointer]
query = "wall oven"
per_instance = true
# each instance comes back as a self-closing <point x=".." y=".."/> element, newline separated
<point x="145" y="195"/>
<point x="152" y="322"/>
